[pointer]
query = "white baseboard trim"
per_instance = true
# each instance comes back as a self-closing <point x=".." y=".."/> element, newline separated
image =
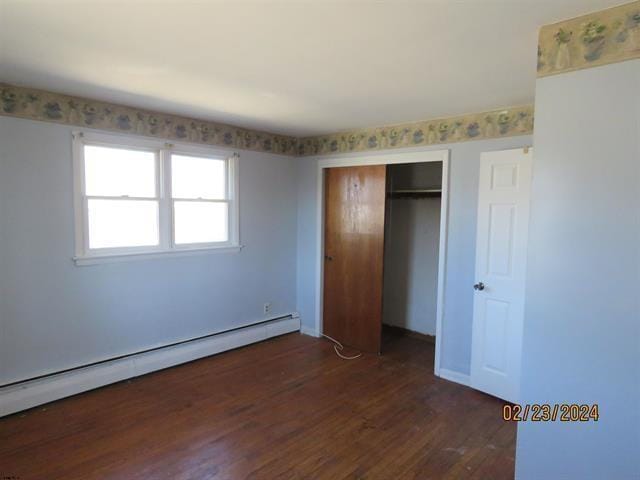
<point x="30" y="394"/>
<point x="312" y="332"/>
<point x="457" y="377"/>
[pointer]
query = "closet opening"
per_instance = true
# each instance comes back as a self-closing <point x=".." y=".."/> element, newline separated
<point x="382" y="254"/>
<point x="411" y="258"/>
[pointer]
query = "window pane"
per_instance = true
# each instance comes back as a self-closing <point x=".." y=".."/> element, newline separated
<point x="200" y="222"/>
<point x="122" y="223"/>
<point x="117" y="172"/>
<point x="197" y="177"/>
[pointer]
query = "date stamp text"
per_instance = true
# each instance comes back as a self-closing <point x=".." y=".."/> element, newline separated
<point x="544" y="412"/>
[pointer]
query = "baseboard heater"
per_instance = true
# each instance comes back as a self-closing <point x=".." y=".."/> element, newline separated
<point x="31" y="392"/>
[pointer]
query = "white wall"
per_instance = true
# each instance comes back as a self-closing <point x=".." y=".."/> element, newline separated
<point x="581" y="339"/>
<point x="412" y="237"/>
<point x="411" y="244"/>
<point x="55" y="315"/>
<point x="460" y="271"/>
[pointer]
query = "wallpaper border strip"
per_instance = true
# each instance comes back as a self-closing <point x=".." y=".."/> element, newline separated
<point x="599" y="38"/>
<point x="47" y="106"/>
<point x="505" y="122"/>
<point x="82" y="112"/>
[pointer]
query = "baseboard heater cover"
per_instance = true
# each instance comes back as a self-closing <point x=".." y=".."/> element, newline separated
<point x="31" y="393"/>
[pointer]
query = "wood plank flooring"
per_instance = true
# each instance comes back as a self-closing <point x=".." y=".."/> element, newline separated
<point x="287" y="408"/>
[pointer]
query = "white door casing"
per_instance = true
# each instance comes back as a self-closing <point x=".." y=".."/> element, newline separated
<point x="501" y="250"/>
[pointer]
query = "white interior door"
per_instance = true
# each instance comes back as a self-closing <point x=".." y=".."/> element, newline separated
<point x="501" y="249"/>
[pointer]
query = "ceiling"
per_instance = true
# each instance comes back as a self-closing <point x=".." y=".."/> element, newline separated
<point x="291" y="67"/>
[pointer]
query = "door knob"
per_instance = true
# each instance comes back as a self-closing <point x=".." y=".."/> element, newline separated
<point x="328" y="257"/>
<point x="479" y="286"/>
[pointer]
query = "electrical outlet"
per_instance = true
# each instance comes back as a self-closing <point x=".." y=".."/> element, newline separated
<point x="266" y="308"/>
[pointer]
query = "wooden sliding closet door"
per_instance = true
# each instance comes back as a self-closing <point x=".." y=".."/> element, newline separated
<point x="354" y="247"/>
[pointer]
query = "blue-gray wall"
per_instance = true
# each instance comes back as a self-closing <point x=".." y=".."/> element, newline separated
<point x="411" y="242"/>
<point x="582" y="313"/>
<point x="461" y="250"/>
<point x="55" y="315"/>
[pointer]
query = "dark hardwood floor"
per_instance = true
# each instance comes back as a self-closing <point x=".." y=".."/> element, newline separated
<point x="286" y="408"/>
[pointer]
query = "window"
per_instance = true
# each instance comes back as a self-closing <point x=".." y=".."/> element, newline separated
<point x="199" y="196"/>
<point x="137" y="197"/>
<point x="122" y="200"/>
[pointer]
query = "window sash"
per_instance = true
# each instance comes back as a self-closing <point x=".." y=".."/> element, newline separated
<point x="227" y="177"/>
<point x="165" y="221"/>
<point x="156" y="166"/>
<point x="229" y="191"/>
<point x="87" y="250"/>
<point x="122" y="249"/>
<point x="120" y="197"/>
<point x="229" y="225"/>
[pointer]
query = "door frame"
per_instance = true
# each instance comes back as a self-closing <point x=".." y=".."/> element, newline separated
<point x="386" y="159"/>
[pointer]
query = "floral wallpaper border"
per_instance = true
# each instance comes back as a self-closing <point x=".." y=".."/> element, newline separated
<point x="600" y="38"/>
<point x="82" y="112"/>
<point x="477" y="126"/>
<point x="53" y="107"/>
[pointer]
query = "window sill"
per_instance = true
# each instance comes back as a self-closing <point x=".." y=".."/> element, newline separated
<point x="128" y="257"/>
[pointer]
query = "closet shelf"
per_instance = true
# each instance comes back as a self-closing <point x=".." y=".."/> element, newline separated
<point x="416" y="192"/>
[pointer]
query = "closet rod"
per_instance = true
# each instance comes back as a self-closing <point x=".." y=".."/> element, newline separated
<point x="418" y="190"/>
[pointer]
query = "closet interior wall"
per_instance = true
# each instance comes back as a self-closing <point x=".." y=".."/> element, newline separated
<point x="412" y="235"/>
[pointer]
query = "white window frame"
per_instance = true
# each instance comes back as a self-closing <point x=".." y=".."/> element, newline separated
<point x="84" y="255"/>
